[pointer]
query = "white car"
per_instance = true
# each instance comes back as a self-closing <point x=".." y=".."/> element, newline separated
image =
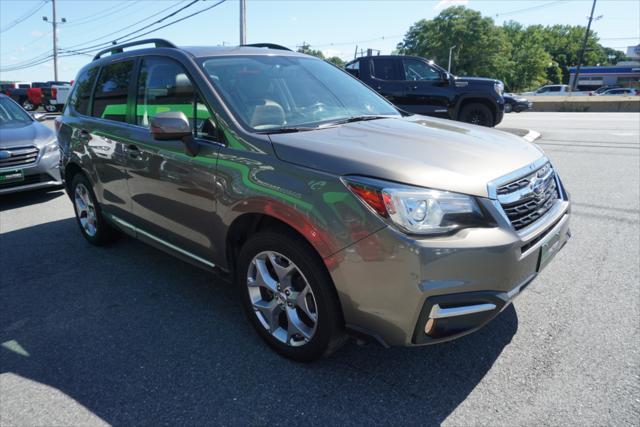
<point x="550" y="90"/>
<point x="620" y="91"/>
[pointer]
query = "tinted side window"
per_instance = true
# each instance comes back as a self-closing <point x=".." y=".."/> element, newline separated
<point x="416" y="70"/>
<point x="163" y="85"/>
<point x="555" y="89"/>
<point x="81" y="95"/>
<point x="110" y="98"/>
<point x="384" y="68"/>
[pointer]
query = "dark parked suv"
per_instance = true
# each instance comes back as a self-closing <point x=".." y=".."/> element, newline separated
<point x="420" y="86"/>
<point x="333" y="212"/>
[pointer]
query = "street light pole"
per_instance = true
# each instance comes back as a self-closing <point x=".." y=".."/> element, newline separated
<point x="450" y="51"/>
<point x="584" y="47"/>
<point x="54" y="23"/>
<point x="243" y="22"/>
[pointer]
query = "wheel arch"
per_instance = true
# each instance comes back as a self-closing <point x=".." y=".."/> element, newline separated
<point x="480" y="100"/>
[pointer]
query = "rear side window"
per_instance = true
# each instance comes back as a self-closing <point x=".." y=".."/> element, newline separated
<point x="81" y="95"/>
<point x="384" y="68"/>
<point x="555" y="89"/>
<point x="163" y="85"/>
<point x="110" y="98"/>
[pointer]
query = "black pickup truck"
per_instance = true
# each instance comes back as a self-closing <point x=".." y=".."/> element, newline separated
<point x="420" y="86"/>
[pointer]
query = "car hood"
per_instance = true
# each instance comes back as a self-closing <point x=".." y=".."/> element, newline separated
<point x="416" y="150"/>
<point x="33" y="133"/>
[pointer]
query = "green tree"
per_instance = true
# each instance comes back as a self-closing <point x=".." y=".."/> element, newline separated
<point x="530" y="62"/>
<point x="306" y="49"/>
<point x="335" y="60"/>
<point x="482" y="49"/>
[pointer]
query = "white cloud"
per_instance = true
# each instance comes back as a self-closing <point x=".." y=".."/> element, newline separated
<point x="36" y="33"/>
<point x="443" y="4"/>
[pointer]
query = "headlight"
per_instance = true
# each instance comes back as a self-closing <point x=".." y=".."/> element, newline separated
<point x="416" y="210"/>
<point x="499" y="88"/>
<point x="51" y="147"/>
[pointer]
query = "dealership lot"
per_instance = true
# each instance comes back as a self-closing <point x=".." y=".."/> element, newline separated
<point x="117" y="335"/>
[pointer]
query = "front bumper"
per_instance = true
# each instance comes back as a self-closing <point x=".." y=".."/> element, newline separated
<point x="390" y="285"/>
<point x="45" y="172"/>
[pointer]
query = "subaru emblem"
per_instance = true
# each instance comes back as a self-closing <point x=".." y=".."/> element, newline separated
<point x="5" y="154"/>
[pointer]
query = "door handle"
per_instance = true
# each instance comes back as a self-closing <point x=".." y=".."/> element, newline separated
<point x="133" y="150"/>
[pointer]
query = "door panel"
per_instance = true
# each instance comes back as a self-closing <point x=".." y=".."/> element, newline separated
<point x="425" y="91"/>
<point x="172" y="193"/>
<point x="384" y="78"/>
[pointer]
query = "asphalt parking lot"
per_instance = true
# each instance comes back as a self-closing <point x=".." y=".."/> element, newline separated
<point x="129" y="335"/>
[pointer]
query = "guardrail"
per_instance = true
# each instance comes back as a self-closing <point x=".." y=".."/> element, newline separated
<point x="595" y="104"/>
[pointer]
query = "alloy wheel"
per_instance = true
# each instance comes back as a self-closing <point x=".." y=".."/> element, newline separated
<point x="282" y="298"/>
<point x="85" y="210"/>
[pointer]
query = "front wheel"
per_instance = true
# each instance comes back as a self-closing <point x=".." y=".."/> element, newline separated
<point x="50" y="108"/>
<point x="288" y="296"/>
<point x="508" y="108"/>
<point x="477" y="114"/>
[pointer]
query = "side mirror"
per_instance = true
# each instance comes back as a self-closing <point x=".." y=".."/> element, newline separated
<point x="40" y="117"/>
<point x="172" y="125"/>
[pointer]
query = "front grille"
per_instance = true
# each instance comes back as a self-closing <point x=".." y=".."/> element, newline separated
<point x="18" y="156"/>
<point x="527" y="199"/>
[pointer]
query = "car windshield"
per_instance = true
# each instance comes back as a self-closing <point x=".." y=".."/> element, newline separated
<point x="11" y="114"/>
<point x="279" y="93"/>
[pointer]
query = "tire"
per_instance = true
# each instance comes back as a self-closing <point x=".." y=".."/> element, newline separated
<point x="27" y="105"/>
<point x="89" y="217"/>
<point x="477" y="114"/>
<point x="306" y="319"/>
<point x="508" y="108"/>
<point x="50" y="108"/>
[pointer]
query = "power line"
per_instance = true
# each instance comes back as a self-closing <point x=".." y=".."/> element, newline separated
<point x="23" y="17"/>
<point x="130" y="25"/>
<point x="526" y="9"/>
<point x="69" y="52"/>
<point x="103" y="13"/>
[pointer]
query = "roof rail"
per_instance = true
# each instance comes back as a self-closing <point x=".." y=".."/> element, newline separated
<point x="267" y="45"/>
<point x="117" y="48"/>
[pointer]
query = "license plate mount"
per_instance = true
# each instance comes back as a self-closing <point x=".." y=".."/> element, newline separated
<point x="11" y="176"/>
<point x="549" y="249"/>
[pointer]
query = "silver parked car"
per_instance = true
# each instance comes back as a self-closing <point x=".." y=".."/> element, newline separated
<point x="334" y="212"/>
<point x="29" y="153"/>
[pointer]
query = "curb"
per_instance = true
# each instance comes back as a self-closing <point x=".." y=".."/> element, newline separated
<point x="531" y="135"/>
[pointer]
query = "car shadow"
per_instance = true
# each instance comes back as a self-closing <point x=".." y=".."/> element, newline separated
<point x="137" y="336"/>
<point x="27" y="198"/>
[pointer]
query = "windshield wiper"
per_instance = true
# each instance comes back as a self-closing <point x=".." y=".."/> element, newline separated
<point x="353" y="119"/>
<point x="287" y="129"/>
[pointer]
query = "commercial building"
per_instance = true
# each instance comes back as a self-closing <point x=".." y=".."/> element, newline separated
<point x="624" y="73"/>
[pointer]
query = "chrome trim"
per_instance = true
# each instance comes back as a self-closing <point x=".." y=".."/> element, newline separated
<point x="492" y="187"/>
<point x="440" y="313"/>
<point x="159" y="240"/>
<point x="525" y="192"/>
<point x="510" y="296"/>
<point x="26" y="187"/>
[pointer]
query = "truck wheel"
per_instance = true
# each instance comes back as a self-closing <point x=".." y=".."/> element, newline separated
<point x="28" y="105"/>
<point x="50" y="108"/>
<point x="477" y="114"/>
<point x="288" y="296"/>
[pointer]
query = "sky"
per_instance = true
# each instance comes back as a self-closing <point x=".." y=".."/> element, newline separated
<point x="335" y="27"/>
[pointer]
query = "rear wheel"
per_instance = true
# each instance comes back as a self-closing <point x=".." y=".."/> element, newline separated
<point x="507" y="107"/>
<point x="50" y="108"/>
<point x="477" y="114"/>
<point x="27" y="105"/>
<point x="92" y="224"/>
<point x="288" y="296"/>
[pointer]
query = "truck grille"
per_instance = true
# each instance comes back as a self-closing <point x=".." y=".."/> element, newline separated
<point x="527" y="199"/>
<point x="18" y="156"/>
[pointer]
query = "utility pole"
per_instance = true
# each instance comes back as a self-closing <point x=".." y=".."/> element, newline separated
<point x="450" y="51"/>
<point x="584" y="47"/>
<point x="54" y="23"/>
<point x="243" y="22"/>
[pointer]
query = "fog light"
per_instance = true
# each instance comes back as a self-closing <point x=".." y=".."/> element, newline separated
<point x="430" y="326"/>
